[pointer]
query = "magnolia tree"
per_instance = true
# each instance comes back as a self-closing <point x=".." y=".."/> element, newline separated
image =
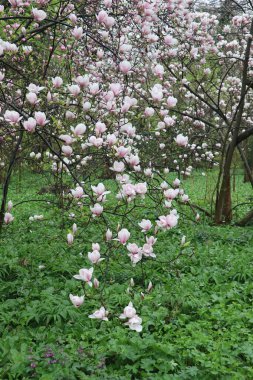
<point x="142" y="87"/>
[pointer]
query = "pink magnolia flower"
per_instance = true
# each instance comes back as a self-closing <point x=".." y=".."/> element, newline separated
<point x="158" y="70"/>
<point x="85" y="275"/>
<point x="8" y="218"/>
<point x="40" y="118"/>
<point x="169" y="40"/>
<point x="78" y="192"/>
<point x="109" y="22"/>
<point x="134" y="323"/>
<point x="32" y="98"/>
<point x="67" y="150"/>
<point x="147" y="250"/>
<point x="116" y="88"/>
<point x="176" y="182"/>
<point x="171" y="101"/>
<point x="149" y="111"/>
<point x="167" y="222"/>
<point x="102" y="16"/>
<point x="94" y="257"/>
<point x="70" y="238"/>
<point x="125" y="66"/>
<point x="74" y="89"/>
<point x="100" y="314"/>
<point x="74" y="228"/>
<point x="151" y="240"/>
<point x="34" y="88"/>
<point x="185" y="198"/>
<point x="141" y="188"/>
<point x="128" y="190"/>
<point x="118" y="166"/>
<point x="96" y="283"/>
<point x="129" y="311"/>
<point x="108" y="235"/>
<point x="100" y="128"/>
<point x="79" y="130"/>
<point x="30" y="124"/>
<point x="123" y="236"/>
<point x="145" y="225"/>
<point x="96" y="246"/>
<point x="9" y="206"/>
<point x="157" y="92"/>
<point x="122" y="151"/>
<point x="135" y="253"/>
<point x="77" y="32"/>
<point x="100" y="192"/>
<point x="57" y="82"/>
<point x="76" y="300"/>
<point x="171" y="194"/>
<point x="83" y="81"/>
<point x="12" y="117"/>
<point x="96" y="210"/>
<point x="38" y="14"/>
<point x="181" y="140"/>
<point x="111" y="139"/>
<point x="67" y="139"/>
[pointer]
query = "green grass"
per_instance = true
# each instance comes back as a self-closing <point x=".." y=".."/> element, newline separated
<point x="197" y="321"/>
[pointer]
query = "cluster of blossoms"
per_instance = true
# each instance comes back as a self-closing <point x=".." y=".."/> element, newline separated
<point x="117" y="95"/>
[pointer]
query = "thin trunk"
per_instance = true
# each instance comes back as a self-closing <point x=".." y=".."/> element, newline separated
<point x="223" y="201"/>
<point x="8" y="177"/>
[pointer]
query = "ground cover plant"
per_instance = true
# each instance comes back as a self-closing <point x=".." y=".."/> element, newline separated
<point x="197" y="318"/>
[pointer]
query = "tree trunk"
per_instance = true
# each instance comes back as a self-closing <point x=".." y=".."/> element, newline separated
<point x="8" y="178"/>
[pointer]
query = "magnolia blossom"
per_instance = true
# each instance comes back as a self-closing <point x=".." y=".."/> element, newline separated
<point x="171" y="102"/>
<point x="129" y="311"/>
<point x="8" y="218"/>
<point x="57" y="82"/>
<point x="94" y="257"/>
<point x="40" y="118"/>
<point x="32" y="98"/>
<point x="78" y="192"/>
<point x="96" y="283"/>
<point x="77" y="32"/>
<point x="134" y="323"/>
<point x="145" y="225"/>
<point x="79" y="130"/>
<point x="123" y="236"/>
<point x="12" y="117"/>
<point x="108" y="235"/>
<point x="125" y="67"/>
<point x="171" y="194"/>
<point x="9" y="206"/>
<point x="135" y="253"/>
<point x="30" y="124"/>
<point x="70" y="238"/>
<point x="96" y="210"/>
<point x="67" y="150"/>
<point x="85" y="275"/>
<point x="181" y="140"/>
<point x="147" y="250"/>
<point x="157" y="92"/>
<point x="118" y="166"/>
<point x="100" y="192"/>
<point x="100" y="314"/>
<point x="38" y="14"/>
<point x="167" y="222"/>
<point x="76" y="300"/>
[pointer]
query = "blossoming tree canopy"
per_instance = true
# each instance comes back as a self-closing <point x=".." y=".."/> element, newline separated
<point x="130" y="86"/>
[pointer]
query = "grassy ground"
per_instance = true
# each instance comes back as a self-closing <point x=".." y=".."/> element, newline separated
<point x="197" y="321"/>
